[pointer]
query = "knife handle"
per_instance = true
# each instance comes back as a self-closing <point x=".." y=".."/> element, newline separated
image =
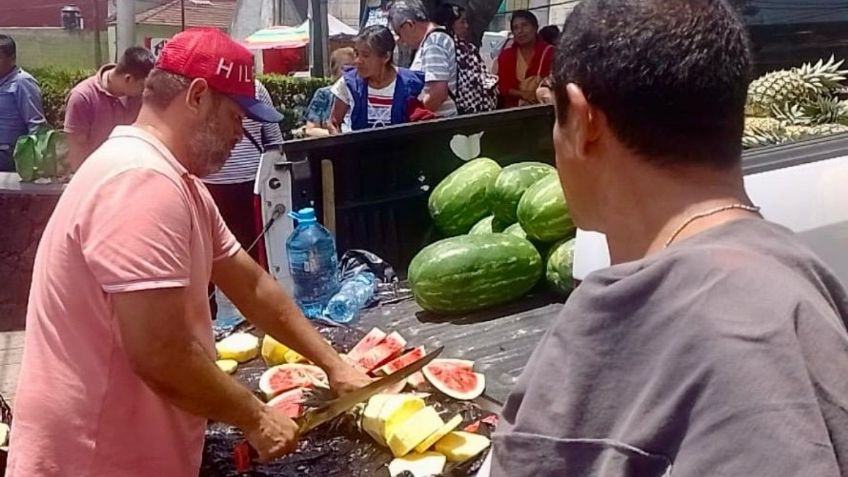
<point x="243" y="456"/>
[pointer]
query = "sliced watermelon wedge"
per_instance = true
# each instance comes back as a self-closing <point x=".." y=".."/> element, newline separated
<point x="403" y="361"/>
<point x="390" y="348"/>
<point x="370" y="340"/>
<point x="290" y="403"/>
<point x="282" y="378"/>
<point x="455" y="380"/>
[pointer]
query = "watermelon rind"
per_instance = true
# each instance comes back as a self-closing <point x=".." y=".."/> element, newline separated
<point x="473" y="272"/>
<point x="543" y="212"/>
<point x="489" y="225"/>
<point x="447" y="389"/>
<point x="560" y="266"/>
<point x="459" y="201"/>
<point x="506" y="190"/>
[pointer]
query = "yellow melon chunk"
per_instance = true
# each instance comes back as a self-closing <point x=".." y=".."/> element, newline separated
<point x="436" y="436"/>
<point x="421" y="465"/>
<point x="228" y="366"/>
<point x="273" y="352"/>
<point x="371" y="416"/>
<point x="396" y="409"/>
<point x="461" y="446"/>
<point x="405" y="435"/>
<point x="239" y="346"/>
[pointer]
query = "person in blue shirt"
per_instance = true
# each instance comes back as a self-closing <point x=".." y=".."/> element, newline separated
<point x="20" y="103"/>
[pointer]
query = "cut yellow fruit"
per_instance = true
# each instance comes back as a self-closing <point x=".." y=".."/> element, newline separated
<point x="239" y="346"/>
<point x="436" y="436"/>
<point x="461" y="446"/>
<point x="293" y="356"/>
<point x="421" y="465"/>
<point x="395" y="409"/>
<point x="404" y="436"/>
<point x="371" y="416"/>
<point x="273" y="352"/>
<point x="228" y="366"/>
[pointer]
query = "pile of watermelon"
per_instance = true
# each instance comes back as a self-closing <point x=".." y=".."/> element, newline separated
<point x="378" y="354"/>
<point x="506" y="227"/>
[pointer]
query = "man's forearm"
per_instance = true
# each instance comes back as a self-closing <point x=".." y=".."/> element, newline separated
<point x="190" y="380"/>
<point x="285" y="322"/>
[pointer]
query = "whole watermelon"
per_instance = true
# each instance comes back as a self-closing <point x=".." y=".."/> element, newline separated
<point x="560" y="267"/>
<point x="489" y="225"/>
<point x="543" y="213"/>
<point x="472" y="272"/>
<point x="505" y="192"/>
<point x="459" y="201"/>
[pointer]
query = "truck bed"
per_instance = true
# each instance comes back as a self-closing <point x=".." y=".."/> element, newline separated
<point x="500" y="340"/>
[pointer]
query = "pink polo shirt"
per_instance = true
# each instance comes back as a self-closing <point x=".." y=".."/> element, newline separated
<point x="131" y="219"/>
<point x="92" y="112"/>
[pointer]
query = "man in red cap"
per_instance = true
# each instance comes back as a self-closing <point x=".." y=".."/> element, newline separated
<point x="118" y="375"/>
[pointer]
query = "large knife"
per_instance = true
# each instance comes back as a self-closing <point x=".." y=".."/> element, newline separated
<point x="313" y="418"/>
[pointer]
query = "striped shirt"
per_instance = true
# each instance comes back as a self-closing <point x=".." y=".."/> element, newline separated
<point x="244" y="159"/>
<point x="436" y="58"/>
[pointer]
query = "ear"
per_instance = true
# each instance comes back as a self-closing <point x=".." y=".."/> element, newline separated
<point x="195" y="93"/>
<point x="128" y="78"/>
<point x="583" y="120"/>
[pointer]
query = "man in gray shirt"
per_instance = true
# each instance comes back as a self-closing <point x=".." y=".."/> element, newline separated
<point x="716" y="344"/>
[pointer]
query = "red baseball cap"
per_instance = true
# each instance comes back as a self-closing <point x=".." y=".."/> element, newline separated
<point x="210" y="54"/>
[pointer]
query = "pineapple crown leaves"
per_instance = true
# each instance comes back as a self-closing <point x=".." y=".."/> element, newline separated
<point x="791" y="115"/>
<point x="823" y="76"/>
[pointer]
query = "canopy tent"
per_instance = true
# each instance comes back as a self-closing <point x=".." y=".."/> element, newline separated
<point x="286" y="37"/>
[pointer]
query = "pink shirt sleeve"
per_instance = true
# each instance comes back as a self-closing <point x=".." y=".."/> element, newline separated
<point x="135" y="233"/>
<point x="224" y="243"/>
<point x="78" y="115"/>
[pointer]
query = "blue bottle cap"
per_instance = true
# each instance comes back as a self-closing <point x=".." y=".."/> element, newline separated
<point x="304" y="216"/>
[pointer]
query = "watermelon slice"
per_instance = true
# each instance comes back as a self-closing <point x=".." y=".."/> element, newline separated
<point x="418" y="382"/>
<point x="455" y="379"/>
<point x="372" y="339"/>
<point x="290" y="403"/>
<point x="402" y="362"/>
<point x="285" y="377"/>
<point x="391" y="347"/>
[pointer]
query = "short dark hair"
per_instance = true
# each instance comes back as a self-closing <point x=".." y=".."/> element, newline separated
<point x="447" y="14"/>
<point x="379" y="38"/>
<point x="136" y="62"/>
<point x="524" y="15"/>
<point x="8" y="47"/>
<point x="671" y="77"/>
<point x="549" y="34"/>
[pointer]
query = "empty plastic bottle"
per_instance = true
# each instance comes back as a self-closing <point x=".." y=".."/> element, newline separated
<point x="228" y="316"/>
<point x="313" y="263"/>
<point x="353" y="295"/>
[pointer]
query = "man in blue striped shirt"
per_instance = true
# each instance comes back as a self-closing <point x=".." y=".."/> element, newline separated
<point x="20" y="103"/>
<point x="232" y="186"/>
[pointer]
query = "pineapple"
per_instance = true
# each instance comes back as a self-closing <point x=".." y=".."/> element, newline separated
<point x="793" y="86"/>
<point x="826" y="110"/>
<point x="797" y="133"/>
<point x="828" y="129"/>
<point x="759" y="138"/>
<point x="762" y="124"/>
<point x="792" y="115"/>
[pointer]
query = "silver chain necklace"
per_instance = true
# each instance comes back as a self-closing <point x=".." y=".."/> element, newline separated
<point x="707" y="213"/>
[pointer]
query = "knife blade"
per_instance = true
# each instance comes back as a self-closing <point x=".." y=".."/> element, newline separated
<point x="244" y="454"/>
<point x="315" y="417"/>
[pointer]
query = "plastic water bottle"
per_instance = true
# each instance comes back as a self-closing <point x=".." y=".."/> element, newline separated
<point x="354" y="294"/>
<point x="228" y="316"/>
<point x="313" y="263"/>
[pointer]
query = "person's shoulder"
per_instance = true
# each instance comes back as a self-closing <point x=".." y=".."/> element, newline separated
<point x="84" y="89"/>
<point x="439" y="38"/>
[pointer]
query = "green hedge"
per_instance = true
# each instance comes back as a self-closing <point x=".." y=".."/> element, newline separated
<point x="290" y="95"/>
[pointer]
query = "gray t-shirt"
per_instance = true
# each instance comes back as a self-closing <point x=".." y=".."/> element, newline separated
<point x="436" y="58"/>
<point x="724" y="355"/>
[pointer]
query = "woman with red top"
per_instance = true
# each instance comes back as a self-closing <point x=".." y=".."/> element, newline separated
<point x="523" y="65"/>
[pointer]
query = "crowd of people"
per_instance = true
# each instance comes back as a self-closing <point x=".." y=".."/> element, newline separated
<point x="447" y="76"/>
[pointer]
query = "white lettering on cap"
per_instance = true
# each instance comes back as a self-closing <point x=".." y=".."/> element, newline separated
<point x="245" y="74"/>
<point x="224" y="65"/>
